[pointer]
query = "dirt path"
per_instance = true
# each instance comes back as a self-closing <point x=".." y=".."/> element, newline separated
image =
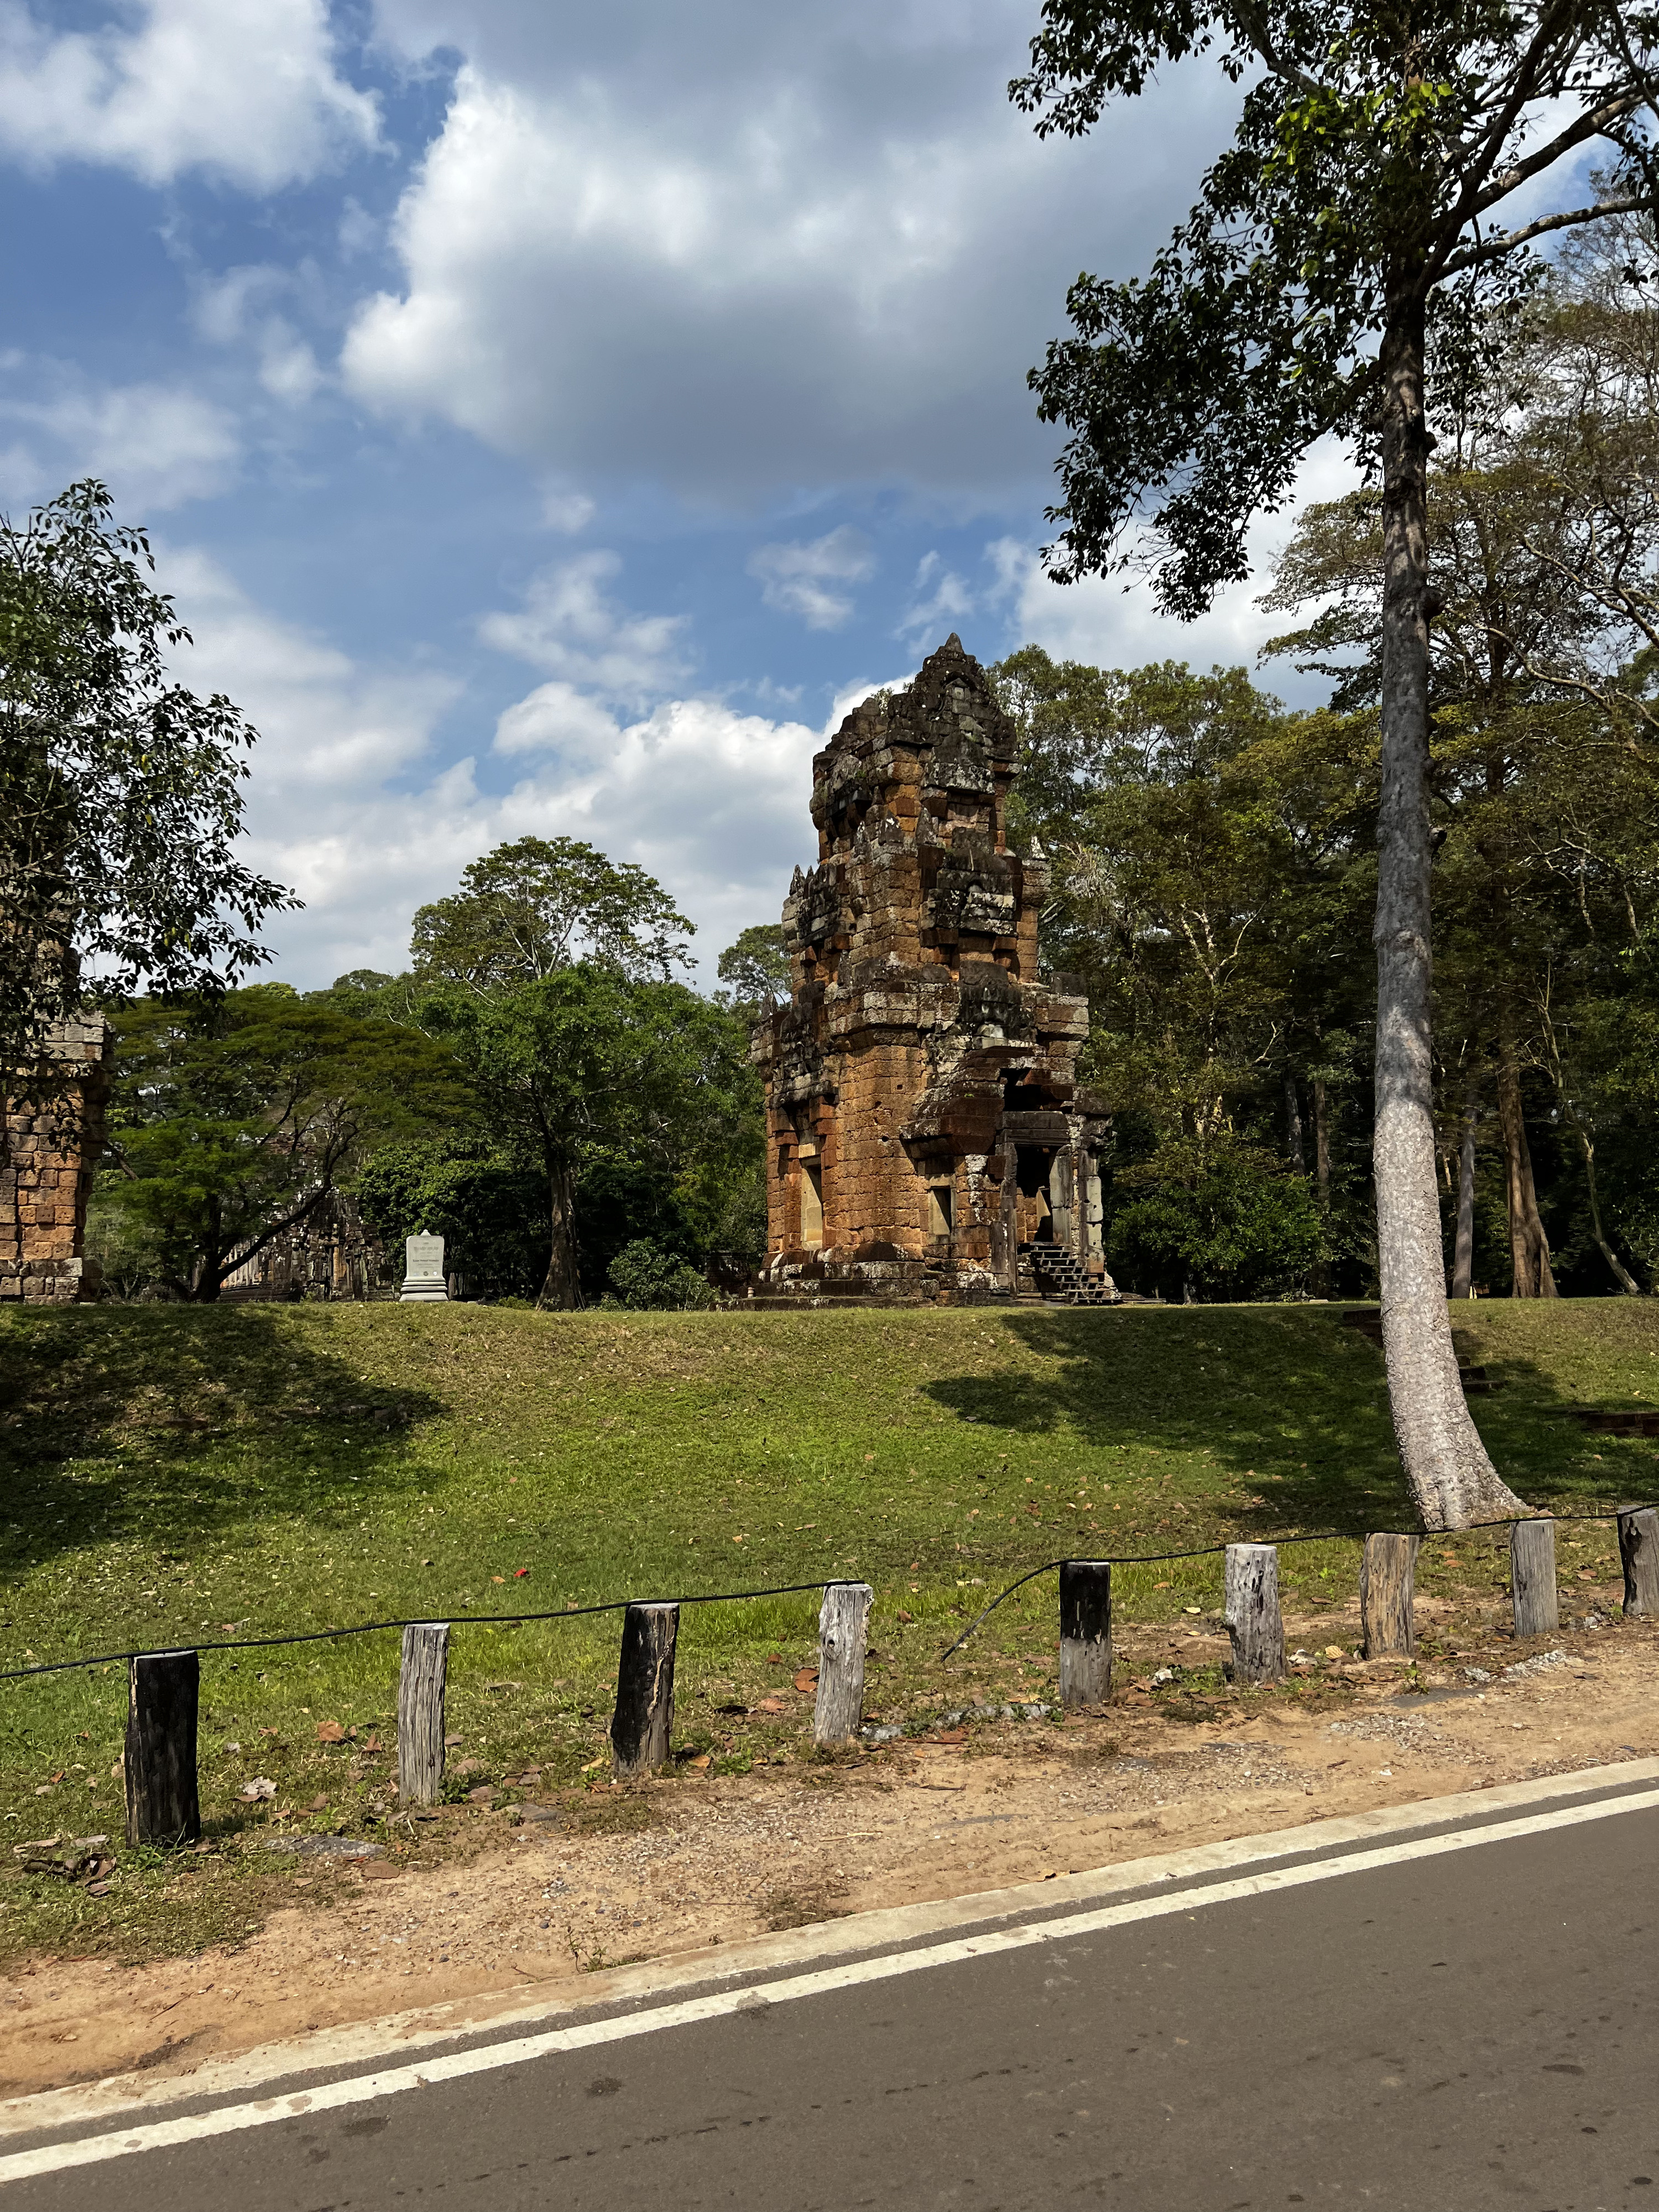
<point x="689" y="1863"/>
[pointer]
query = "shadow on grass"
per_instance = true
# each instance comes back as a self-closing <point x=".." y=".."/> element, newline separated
<point x="1288" y="1395"/>
<point x="119" y="1423"/>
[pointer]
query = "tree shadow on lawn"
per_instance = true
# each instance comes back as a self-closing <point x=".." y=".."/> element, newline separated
<point x="1286" y="1395"/>
<point x="173" y="1424"/>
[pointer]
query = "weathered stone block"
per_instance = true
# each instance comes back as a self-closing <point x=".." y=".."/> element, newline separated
<point x="49" y="1150"/>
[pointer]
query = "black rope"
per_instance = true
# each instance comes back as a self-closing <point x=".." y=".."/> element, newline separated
<point x="735" y="1597"/>
<point x="1021" y="1584"/>
<point x="1328" y="1536"/>
<point x="418" y="1620"/>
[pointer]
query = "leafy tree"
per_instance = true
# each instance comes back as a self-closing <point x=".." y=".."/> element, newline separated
<point x="367" y="993"/>
<point x="1208" y="884"/>
<point x="485" y="1204"/>
<point x="757" y="969"/>
<point x="1586" y="441"/>
<point x="1349" y="243"/>
<point x="120" y="790"/>
<point x="1072" y="719"/>
<point x="1542" y="775"/>
<point x="528" y="909"/>
<point x="1223" y="1220"/>
<point x="232" y="1119"/>
<point x="645" y="1277"/>
<point x="583" y="1065"/>
<point x="623" y="1201"/>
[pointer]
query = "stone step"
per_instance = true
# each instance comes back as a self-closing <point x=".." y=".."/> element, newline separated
<point x="1608" y="1421"/>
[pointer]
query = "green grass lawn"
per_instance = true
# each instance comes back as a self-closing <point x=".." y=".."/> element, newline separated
<point x="178" y="1477"/>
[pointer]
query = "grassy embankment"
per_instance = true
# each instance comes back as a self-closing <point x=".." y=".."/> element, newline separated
<point x="177" y="1477"/>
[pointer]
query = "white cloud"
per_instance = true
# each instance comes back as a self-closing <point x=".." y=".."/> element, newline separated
<point x="571" y="627"/>
<point x="556" y="717"/>
<point x="245" y="90"/>
<point x="329" y="730"/>
<point x="711" y="802"/>
<point x="663" y="243"/>
<point x="240" y="308"/>
<point x="348" y="805"/>
<point x="155" y="445"/>
<point x="952" y="600"/>
<point x="567" y="511"/>
<point x="797" y="578"/>
<point x="1113" y="622"/>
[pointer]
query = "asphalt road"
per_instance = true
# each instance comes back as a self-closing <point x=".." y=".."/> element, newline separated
<point x="1460" y="2031"/>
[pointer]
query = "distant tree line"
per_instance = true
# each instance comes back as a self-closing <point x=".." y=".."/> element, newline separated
<point x="1215" y="860"/>
<point x="536" y="1088"/>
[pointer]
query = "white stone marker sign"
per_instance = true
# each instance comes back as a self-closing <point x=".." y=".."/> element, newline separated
<point x="423" y="1268"/>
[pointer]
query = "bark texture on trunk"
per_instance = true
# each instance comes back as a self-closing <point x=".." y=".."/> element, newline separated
<point x="1621" y="1274"/>
<point x="1452" y="1480"/>
<point x="562" y="1288"/>
<point x="1293" y="1124"/>
<point x="1529" y="1247"/>
<point x="1463" y="1242"/>
<point x="1321" y="1135"/>
<point x="1321" y="1145"/>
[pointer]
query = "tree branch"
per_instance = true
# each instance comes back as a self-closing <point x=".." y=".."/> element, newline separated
<point x="240" y="1253"/>
<point x="1592" y="124"/>
<point x="1527" y="71"/>
<point x="1473" y="256"/>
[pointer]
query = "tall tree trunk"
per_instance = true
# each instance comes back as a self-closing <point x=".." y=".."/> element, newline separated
<point x="209" y="1278"/>
<point x="1452" y="1480"/>
<point x="1321" y="1124"/>
<point x="1529" y="1247"/>
<point x="562" y="1288"/>
<point x="1621" y="1274"/>
<point x="1463" y="1241"/>
<point x="1293" y="1124"/>
<point x="1321" y="1145"/>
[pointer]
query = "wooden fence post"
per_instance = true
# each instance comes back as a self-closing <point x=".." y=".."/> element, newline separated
<point x="1086" y="1633"/>
<point x="843" y="1624"/>
<point x="1532" y="1578"/>
<point x="1388" y="1569"/>
<point x="643" y="1723"/>
<point x="163" y="1694"/>
<point x="1638" y="1552"/>
<point x="1252" y="1612"/>
<point x="421" y="1684"/>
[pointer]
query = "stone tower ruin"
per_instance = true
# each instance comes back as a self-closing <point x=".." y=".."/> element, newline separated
<point x="926" y="1139"/>
<point x="50" y="1137"/>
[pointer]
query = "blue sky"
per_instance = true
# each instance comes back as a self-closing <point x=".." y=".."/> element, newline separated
<point x="548" y="417"/>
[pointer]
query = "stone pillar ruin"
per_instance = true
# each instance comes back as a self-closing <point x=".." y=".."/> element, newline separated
<point x="925" y="1135"/>
<point x="49" y="1143"/>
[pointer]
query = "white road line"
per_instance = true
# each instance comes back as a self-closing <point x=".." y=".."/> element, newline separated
<point x="367" y="2088"/>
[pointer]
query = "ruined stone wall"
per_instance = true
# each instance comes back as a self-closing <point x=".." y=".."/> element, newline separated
<point x="50" y="1145"/>
<point x="918" y="1028"/>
